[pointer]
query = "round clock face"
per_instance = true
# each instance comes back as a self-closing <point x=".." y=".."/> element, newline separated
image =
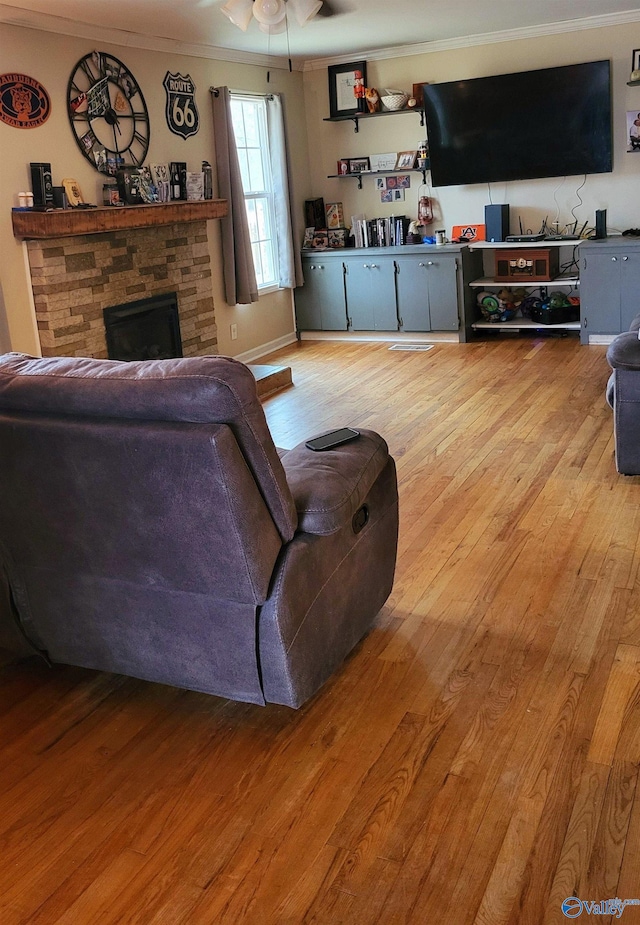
<point x="108" y="113"/>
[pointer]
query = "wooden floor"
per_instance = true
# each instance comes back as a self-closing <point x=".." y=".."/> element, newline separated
<point x="476" y="759"/>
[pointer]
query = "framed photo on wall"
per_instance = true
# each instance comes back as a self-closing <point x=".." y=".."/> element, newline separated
<point x="358" y="165"/>
<point x="342" y="81"/>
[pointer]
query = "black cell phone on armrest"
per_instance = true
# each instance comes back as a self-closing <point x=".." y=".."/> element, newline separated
<point x="333" y="438"/>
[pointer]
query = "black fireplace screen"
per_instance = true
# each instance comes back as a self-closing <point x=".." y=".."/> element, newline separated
<point x="148" y="329"/>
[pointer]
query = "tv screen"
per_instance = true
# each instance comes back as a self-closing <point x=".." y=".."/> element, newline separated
<point x="548" y="123"/>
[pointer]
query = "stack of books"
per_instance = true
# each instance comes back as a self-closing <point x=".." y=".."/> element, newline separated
<point x="379" y="232"/>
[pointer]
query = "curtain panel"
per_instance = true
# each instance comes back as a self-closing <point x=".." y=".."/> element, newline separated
<point x="239" y="274"/>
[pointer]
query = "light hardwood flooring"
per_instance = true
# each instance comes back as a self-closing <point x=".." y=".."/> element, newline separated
<point x="476" y="759"/>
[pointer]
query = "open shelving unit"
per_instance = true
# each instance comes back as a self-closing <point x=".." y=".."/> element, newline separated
<point x="487" y="282"/>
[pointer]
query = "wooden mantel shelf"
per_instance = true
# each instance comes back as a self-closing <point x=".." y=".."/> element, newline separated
<point x="68" y="222"/>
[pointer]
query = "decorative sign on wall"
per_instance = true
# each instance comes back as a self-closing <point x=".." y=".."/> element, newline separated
<point x="24" y="102"/>
<point x="181" y="111"/>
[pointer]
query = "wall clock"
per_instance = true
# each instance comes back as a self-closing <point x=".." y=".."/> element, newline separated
<point x="108" y="113"/>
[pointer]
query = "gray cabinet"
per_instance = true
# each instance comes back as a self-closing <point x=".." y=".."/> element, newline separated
<point x="427" y="292"/>
<point x="371" y="293"/>
<point x="418" y="287"/>
<point x="320" y="303"/>
<point x="609" y="285"/>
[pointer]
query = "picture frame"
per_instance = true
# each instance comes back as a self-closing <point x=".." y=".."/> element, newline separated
<point x="342" y="101"/>
<point x="343" y="167"/>
<point x="358" y="164"/>
<point x="307" y="241"/>
<point x="417" y="93"/>
<point x="337" y="237"/>
<point x="406" y="160"/>
<point x="383" y="161"/>
<point x="635" y="60"/>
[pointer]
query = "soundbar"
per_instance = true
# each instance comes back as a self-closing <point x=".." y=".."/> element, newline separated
<point x="514" y="238"/>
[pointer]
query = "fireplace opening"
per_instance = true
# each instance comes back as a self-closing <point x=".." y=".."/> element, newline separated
<point x="148" y="329"/>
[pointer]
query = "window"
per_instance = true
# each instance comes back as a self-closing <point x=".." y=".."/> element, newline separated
<point x="249" y="115"/>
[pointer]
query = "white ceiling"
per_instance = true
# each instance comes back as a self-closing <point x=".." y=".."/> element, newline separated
<point x="359" y="29"/>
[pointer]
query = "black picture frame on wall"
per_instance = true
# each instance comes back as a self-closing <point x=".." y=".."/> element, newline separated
<point x="342" y="101"/>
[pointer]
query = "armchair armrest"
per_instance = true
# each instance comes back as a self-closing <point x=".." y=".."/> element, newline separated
<point x="328" y="487"/>
<point x="624" y="351"/>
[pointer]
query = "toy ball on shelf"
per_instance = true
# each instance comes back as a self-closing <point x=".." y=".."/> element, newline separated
<point x="490" y="307"/>
<point x="529" y="303"/>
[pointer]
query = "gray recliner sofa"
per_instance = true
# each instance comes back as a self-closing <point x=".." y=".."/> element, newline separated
<point x="149" y="527"/>
<point x="623" y="394"/>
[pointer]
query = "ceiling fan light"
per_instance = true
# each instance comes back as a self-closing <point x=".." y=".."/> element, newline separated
<point x="269" y="12"/>
<point x="305" y="10"/>
<point x="239" y="12"/>
<point x="275" y="29"/>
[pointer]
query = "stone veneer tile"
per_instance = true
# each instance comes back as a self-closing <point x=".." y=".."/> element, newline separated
<point x="82" y="275"/>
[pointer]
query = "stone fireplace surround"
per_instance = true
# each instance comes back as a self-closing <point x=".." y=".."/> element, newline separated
<point x="75" y="276"/>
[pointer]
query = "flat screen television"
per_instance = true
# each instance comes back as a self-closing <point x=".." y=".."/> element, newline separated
<point x="553" y="122"/>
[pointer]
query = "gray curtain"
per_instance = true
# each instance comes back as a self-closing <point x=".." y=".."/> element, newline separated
<point x="289" y="263"/>
<point x="240" y="284"/>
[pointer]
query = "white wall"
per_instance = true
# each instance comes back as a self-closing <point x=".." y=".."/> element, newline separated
<point x="532" y="200"/>
<point x="50" y="58"/>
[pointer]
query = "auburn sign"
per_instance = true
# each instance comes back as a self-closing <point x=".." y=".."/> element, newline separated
<point x="24" y="102"/>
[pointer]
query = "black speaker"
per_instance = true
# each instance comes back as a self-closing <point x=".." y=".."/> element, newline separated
<point x="496" y="221"/>
<point x="601" y="223"/>
<point x="60" y="197"/>
<point x="41" y="184"/>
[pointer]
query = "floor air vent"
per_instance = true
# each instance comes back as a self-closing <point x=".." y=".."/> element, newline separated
<point x="412" y="347"/>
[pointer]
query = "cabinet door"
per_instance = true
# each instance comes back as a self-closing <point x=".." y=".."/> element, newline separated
<point x="371" y="293"/>
<point x="629" y="288"/>
<point x="320" y="303"/>
<point x="428" y="293"/>
<point x="443" y="293"/>
<point x="600" y="293"/>
<point x="412" y="285"/>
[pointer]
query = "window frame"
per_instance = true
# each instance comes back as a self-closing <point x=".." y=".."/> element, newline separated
<point x="255" y="195"/>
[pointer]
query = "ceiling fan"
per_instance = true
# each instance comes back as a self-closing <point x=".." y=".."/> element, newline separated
<point x="271" y="15"/>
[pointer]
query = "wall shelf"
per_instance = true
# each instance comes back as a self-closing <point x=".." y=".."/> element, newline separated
<point x="357" y="116"/>
<point x="379" y="173"/>
<point x="62" y="223"/>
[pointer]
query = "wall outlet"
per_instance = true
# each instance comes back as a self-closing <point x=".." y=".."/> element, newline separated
<point x="234" y="332"/>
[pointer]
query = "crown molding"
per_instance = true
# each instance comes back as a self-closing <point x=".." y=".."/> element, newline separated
<point x="47" y="22"/>
<point x="485" y="38"/>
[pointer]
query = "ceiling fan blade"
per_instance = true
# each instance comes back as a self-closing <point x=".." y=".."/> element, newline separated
<point x="328" y="8"/>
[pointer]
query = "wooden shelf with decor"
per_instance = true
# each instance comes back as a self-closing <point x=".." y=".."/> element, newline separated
<point x="378" y="173"/>
<point x="61" y="223"/>
<point x="355" y="117"/>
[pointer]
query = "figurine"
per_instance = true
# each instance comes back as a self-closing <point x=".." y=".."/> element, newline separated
<point x="373" y="99"/>
<point x="359" y="91"/>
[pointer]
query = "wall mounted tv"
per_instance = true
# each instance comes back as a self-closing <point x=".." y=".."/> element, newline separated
<point x="553" y="122"/>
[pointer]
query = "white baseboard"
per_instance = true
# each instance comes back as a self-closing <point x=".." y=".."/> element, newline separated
<point x="391" y="337"/>
<point x="604" y="339"/>
<point x="250" y="355"/>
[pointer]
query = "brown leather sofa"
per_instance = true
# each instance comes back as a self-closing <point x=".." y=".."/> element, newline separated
<point x="149" y="527"/>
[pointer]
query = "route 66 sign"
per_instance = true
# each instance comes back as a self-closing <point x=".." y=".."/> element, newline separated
<point x="182" y="112"/>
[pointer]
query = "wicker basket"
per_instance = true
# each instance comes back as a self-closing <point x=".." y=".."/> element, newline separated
<point x="394" y="99"/>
